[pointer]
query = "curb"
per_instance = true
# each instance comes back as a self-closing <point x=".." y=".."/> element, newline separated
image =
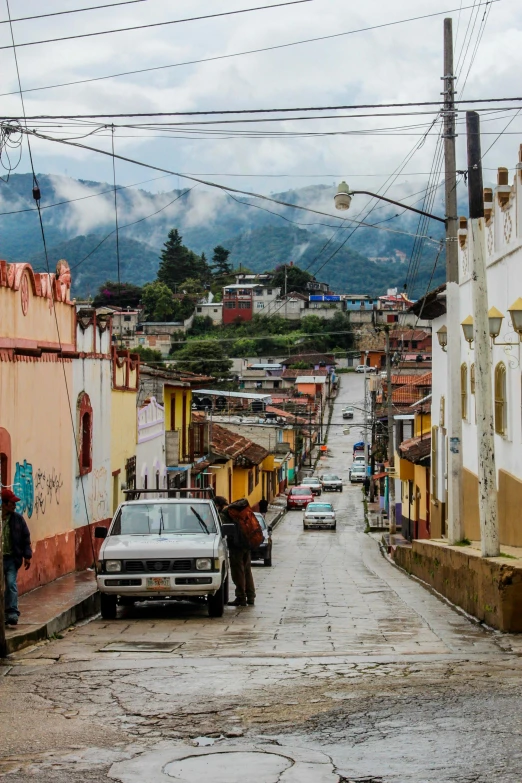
<point x="277" y="519"/>
<point x="87" y="607"/>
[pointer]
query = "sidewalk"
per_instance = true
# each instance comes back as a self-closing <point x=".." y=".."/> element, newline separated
<point x="51" y="608"/>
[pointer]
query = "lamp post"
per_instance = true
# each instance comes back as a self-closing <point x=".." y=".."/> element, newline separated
<point x="343" y="199"/>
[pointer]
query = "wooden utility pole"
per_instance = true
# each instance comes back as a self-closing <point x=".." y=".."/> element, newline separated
<point x="391" y="446"/>
<point x="487" y="473"/>
<point x="455" y="494"/>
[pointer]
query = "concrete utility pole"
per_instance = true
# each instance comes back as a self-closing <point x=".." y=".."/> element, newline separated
<point x="365" y="438"/>
<point x="391" y="447"/>
<point x="3" y="643"/>
<point x="455" y="494"/>
<point x="487" y="473"/>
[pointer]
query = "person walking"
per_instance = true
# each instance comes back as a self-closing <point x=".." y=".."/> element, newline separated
<point x="240" y="561"/>
<point x="366" y="485"/>
<point x="16" y="549"/>
<point x="263" y="506"/>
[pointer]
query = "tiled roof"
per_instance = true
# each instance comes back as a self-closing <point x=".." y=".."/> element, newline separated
<point x="243" y="451"/>
<point x="311" y="358"/>
<point x="293" y="419"/>
<point x="417" y="449"/>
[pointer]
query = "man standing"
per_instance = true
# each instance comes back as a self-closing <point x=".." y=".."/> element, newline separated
<point x="240" y="563"/>
<point x="16" y="548"/>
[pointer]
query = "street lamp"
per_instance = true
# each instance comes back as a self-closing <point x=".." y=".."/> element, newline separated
<point x="495" y="319"/>
<point x="467" y="328"/>
<point x="343" y="199"/>
<point x="442" y="336"/>
<point x="515" y="312"/>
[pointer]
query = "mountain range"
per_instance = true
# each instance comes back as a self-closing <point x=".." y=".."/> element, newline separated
<point x="79" y="224"/>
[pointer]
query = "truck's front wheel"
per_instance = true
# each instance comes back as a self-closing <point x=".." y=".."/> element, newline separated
<point x="216" y="602"/>
<point x="108" y="606"/>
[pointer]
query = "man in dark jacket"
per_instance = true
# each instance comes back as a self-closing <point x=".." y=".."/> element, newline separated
<point x="240" y="561"/>
<point x="16" y="549"/>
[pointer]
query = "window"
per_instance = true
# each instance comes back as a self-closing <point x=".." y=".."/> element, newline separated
<point x="130" y="472"/>
<point x="260" y="305"/>
<point x="126" y="317"/>
<point x="250" y="481"/>
<point x="277" y="384"/>
<point x="245" y="305"/>
<point x="230" y="305"/>
<point x="259" y="384"/>
<point x="500" y="399"/>
<point x="269" y="291"/>
<point x="434" y="461"/>
<point x="464" y="390"/>
<point x="199" y="309"/>
<point x="414" y="343"/>
<point x="84" y="408"/>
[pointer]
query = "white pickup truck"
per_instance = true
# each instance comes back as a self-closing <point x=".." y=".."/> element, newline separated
<point x="163" y="548"/>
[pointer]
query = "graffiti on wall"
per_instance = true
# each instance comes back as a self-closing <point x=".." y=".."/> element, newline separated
<point x="36" y="489"/>
<point x="23" y="486"/>
<point x="98" y="497"/>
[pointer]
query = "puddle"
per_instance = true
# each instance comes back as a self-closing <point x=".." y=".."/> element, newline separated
<point x="147" y="647"/>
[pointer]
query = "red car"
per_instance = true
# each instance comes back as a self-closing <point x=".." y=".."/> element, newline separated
<point x="299" y="497"/>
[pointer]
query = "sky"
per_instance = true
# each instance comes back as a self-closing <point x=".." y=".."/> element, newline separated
<point x="397" y="63"/>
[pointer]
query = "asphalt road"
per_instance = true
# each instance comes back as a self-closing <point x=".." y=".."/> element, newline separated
<point x="344" y="670"/>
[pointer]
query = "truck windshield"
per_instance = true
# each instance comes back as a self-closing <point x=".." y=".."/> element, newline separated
<point x="142" y="519"/>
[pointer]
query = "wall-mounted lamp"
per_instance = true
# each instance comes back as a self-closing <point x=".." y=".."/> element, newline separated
<point x="467" y="328"/>
<point x="515" y="312"/>
<point x="442" y="336"/>
<point x="495" y="319"/>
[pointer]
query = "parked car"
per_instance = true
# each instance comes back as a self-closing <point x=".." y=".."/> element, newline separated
<point x="357" y="472"/>
<point x="314" y="483"/>
<point x="358" y="459"/>
<point x="362" y="368"/>
<point x="331" y="482"/>
<point x="348" y="412"/>
<point x="164" y="548"/>
<point x="319" y="515"/>
<point x="264" y="550"/>
<point x="299" y="497"/>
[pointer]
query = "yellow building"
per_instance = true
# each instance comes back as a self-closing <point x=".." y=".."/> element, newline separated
<point x="249" y="463"/>
<point x="125" y="384"/>
<point x="412" y="462"/>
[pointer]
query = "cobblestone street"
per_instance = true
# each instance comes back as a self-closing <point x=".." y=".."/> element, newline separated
<point x="344" y="670"/>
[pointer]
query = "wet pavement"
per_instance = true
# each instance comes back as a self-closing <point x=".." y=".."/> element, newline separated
<point x="344" y="670"/>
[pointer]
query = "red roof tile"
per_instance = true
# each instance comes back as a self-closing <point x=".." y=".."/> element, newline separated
<point x="229" y="444"/>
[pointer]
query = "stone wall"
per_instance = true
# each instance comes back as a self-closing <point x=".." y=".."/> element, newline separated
<point x="490" y="589"/>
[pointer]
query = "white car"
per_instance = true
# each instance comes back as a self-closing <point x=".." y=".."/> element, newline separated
<point x="362" y="368"/>
<point x="358" y="460"/>
<point x="348" y="412"/>
<point x="319" y="516"/>
<point x="357" y="472"/>
<point x="331" y="482"/>
<point x="163" y="548"/>
<point x="314" y="483"/>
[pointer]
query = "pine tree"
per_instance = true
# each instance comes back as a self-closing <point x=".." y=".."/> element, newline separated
<point x="177" y="261"/>
<point x="220" y="265"/>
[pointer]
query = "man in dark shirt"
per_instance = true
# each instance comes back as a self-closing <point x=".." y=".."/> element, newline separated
<point x="16" y="549"/>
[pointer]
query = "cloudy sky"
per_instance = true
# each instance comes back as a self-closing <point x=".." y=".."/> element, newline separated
<point x="398" y="63"/>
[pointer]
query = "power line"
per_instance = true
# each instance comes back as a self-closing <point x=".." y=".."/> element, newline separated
<point x="72" y="11"/>
<point x="241" y="54"/>
<point x="160" y="24"/>
<point x="280" y="110"/>
<point x="209" y="183"/>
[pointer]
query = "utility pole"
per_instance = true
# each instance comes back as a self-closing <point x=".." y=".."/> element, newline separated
<point x="455" y="495"/>
<point x="487" y="473"/>
<point x="373" y="394"/>
<point x="365" y="439"/>
<point x="391" y="447"/>
<point x="286" y="287"/>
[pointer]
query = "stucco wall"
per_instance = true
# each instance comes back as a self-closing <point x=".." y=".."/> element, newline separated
<point x="123" y="437"/>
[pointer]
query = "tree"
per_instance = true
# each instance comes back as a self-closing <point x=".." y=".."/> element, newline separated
<point x="178" y="263"/>
<point x="220" y="265"/>
<point x="244" y="347"/>
<point x="296" y="279"/>
<point x="205" y="358"/>
<point x="192" y="286"/>
<point x="148" y="354"/>
<point x="159" y="302"/>
<point x="114" y="294"/>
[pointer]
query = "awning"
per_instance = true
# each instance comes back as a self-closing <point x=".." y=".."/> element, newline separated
<point x="379" y="475"/>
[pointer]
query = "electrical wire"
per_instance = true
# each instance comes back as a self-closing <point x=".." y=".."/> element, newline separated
<point x="37" y="197"/>
<point x="241" y="54"/>
<point x="72" y="11"/>
<point x="161" y="24"/>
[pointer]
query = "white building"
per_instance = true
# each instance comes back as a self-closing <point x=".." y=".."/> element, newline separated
<point x="151" y="471"/>
<point x="503" y="221"/>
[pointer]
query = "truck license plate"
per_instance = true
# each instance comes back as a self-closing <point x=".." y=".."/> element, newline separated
<point x="158" y="583"/>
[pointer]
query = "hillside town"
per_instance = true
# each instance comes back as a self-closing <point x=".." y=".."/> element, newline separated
<point x="260" y="456"/>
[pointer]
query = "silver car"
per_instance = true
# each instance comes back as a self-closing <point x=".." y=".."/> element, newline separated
<point x="357" y="473"/>
<point x="319" y="516"/>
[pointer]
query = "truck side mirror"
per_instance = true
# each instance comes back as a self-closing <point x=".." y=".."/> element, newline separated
<point x="229" y="529"/>
<point x="100" y="532"/>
